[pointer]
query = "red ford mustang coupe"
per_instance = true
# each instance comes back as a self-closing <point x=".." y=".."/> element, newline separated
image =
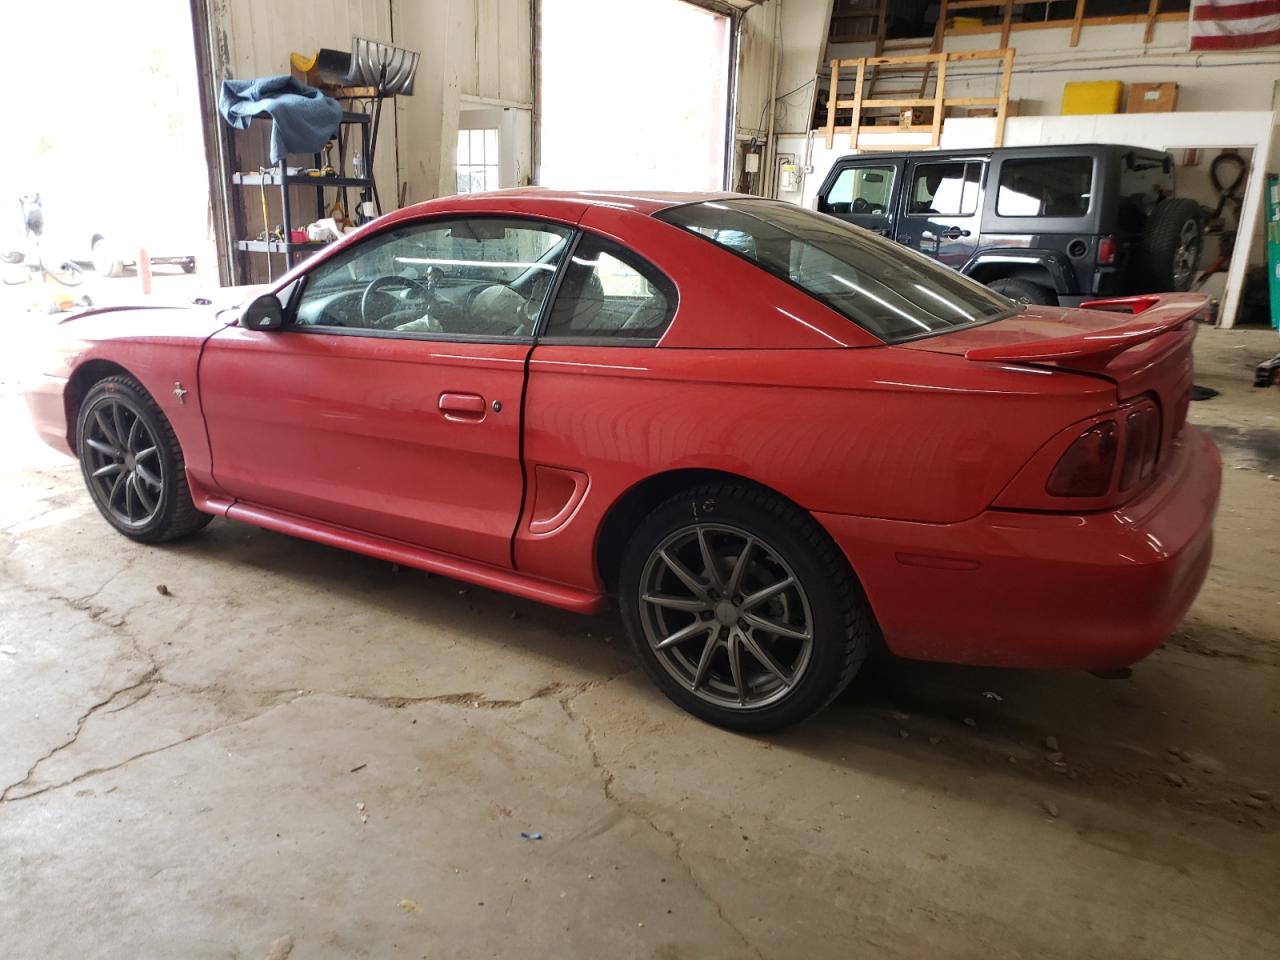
<point x="776" y="438"/>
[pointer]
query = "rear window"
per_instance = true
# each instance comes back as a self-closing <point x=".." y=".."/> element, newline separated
<point x="1045" y="187"/>
<point x="884" y="288"/>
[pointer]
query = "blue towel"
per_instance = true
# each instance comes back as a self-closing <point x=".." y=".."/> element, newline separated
<point x="304" y="118"/>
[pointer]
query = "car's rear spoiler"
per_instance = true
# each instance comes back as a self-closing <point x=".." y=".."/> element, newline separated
<point x="1158" y="313"/>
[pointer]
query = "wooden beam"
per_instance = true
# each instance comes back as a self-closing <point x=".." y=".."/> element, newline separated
<point x="938" y="108"/>
<point x="1170" y="17"/>
<point x="976" y="55"/>
<point x="857" y="104"/>
<point x="1002" y="110"/>
<point x="1153" y="11"/>
<point x="881" y="102"/>
<point x="1006" y="24"/>
<point x="940" y="29"/>
<point x="831" y="103"/>
<point x="883" y="27"/>
<point x="1076" y="22"/>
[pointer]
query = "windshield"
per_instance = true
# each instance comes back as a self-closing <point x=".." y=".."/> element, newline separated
<point x="893" y="292"/>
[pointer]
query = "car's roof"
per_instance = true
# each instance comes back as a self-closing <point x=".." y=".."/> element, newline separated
<point x="1043" y="149"/>
<point x="645" y="202"/>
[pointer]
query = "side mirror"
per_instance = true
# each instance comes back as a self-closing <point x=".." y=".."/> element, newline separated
<point x="263" y="313"/>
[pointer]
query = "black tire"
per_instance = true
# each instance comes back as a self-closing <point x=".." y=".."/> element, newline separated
<point x="1024" y="291"/>
<point x="840" y="625"/>
<point x="104" y="262"/>
<point x="1169" y="252"/>
<point x="174" y="514"/>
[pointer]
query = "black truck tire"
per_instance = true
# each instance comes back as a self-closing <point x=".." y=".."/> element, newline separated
<point x="1024" y="291"/>
<point x="1169" y="252"/>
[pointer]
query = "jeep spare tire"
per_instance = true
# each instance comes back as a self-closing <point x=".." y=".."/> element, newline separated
<point x="1169" y="253"/>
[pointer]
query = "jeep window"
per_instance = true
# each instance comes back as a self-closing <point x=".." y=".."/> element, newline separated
<point x="861" y="190"/>
<point x="894" y="293"/>
<point x="1045" y="187"/>
<point x="945" y="189"/>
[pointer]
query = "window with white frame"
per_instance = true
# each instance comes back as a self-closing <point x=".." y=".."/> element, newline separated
<point x="477" y="167"/>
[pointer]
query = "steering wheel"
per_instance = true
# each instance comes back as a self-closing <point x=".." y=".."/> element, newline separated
<point x="379" y="285"/>
<point x="860" y="206"/>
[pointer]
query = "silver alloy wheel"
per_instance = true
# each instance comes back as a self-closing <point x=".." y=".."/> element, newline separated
<point x="1187" y="256"/>
<point x="726" y="616"/>
<point x="122" y="462"/>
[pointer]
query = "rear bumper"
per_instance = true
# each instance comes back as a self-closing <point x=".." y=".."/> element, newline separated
<point x="44" y="396"/>
<point x="1091" y="591"/>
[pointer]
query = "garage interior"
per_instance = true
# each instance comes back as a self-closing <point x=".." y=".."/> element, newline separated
<point x="252" y="746"/>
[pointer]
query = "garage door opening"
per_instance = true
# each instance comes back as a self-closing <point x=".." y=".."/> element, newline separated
<point x="118" y="188"/>
<point x="634" y="95"/>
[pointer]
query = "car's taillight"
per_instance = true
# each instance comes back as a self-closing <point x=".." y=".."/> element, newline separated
<point x="1085" y="470"/>
<point x="1107" y="250"/>
<point x="1141" y="446"/>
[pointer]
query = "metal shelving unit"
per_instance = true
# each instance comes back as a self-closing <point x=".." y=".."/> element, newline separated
<point x="279" y="176"/>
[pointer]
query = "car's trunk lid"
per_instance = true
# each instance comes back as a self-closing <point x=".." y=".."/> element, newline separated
<point x="1142" y="344"/>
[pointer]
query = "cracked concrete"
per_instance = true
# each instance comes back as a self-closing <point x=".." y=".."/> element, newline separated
<point x="294" y="741"/>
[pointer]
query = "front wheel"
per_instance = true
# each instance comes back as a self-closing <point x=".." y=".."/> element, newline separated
<point x="741" y="608"/>
<point x="132" y="463"/>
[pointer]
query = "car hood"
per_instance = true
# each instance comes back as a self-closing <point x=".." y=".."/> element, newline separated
<point x="197" y="317"/>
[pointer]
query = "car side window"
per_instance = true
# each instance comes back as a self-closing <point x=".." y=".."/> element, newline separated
<point x="860" y="190"/>
<point x="608" y="292"/>
<point x="469" y="278"/>
<point x="1045" y="187"/>
<point x="945" y="189"/>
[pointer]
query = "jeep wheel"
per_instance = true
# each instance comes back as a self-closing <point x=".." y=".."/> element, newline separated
<point x="1024" y="291"/>
<point x="1169" y="253"/>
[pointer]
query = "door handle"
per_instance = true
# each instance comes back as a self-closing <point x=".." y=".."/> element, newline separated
<point x="951" y="233"/>
<point x="462" y="406"/>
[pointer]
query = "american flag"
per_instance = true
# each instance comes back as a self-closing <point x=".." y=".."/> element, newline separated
<point x="1234" y="25"/>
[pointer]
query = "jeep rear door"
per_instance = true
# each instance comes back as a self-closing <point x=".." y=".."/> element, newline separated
<point x="863" y="191"/>
<point x="941" y="214"/>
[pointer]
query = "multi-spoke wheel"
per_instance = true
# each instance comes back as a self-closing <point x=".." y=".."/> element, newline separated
<point x="725" y="615"/>
<point x="132" y="463"/>
<point x="741" y="608"/>
<point x="123" y="462"/>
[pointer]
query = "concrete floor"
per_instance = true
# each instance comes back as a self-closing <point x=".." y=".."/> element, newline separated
<point x="300" y="749"/>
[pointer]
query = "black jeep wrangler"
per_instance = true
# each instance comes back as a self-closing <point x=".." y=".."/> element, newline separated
<point x="1054" y="224"/>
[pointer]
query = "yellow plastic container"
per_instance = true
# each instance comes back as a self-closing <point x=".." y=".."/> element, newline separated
<point x="1092" y="96"/>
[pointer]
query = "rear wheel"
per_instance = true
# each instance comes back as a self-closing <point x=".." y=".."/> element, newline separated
<point x="741" y="608"/>
<point x="1169" y="254"/>
<point x="132" y="463"/>
<point x="1024" y="291"/>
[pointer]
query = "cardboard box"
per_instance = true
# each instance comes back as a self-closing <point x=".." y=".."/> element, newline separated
<point x="1092" y="96"/>
<point x="1152" y="98"/>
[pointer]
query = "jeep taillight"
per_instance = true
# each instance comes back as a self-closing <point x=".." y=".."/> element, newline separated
<point x="1141" y="446"/>
<point x="1085" y="470"/>
<point x="1107" y="250"/>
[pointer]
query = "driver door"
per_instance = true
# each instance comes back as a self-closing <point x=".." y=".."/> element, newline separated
<point x="862" y="193"/>
<point x="390" y="402"/>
